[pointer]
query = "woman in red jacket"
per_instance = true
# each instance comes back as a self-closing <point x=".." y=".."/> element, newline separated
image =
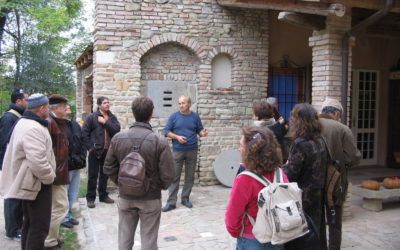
<point x="261" y="153"/>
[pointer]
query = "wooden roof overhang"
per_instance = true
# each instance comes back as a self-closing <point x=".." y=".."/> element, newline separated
<point x="312" y="13"/>
<point x="85" y="59"/>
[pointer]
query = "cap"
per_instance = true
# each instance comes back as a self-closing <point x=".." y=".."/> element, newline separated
<point x="330" y="102"/>
<point x="37" y="100"/>
<point x="56" y="99"/>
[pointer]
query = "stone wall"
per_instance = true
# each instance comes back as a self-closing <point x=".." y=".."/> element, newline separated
<point x="136" y="41"/>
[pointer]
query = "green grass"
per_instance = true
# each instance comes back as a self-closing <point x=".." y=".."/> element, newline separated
<point x="82" y="187"/>
<point x="70" y="239"/>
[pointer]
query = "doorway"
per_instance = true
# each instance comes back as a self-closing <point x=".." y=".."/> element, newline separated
<point x="365" y="94"/>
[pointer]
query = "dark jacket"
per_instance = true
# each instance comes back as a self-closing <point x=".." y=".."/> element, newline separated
<point x="306" y="165"/>
<point x="7" y="123"/>
<point x="93" y="132"/>
<point x="279" y="129"/>
<point x="58" y="133"/>
<point x="160" y="168"/>
<point x="76" y="150"/>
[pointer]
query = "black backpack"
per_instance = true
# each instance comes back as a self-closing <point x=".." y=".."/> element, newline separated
<point x="132" y="178"/>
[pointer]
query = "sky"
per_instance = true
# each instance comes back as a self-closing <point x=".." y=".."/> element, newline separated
<point x="88" y="6"/>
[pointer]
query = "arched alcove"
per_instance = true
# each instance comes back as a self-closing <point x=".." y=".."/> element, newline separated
<point x="221" y="71"/>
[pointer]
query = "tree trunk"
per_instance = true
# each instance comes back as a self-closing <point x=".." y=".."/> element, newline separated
<point x="18" y="47"/>
<point x="3" y="18"/>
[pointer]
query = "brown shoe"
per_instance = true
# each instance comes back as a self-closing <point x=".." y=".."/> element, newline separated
<point x="107" y="200"/>
<point x="91" y="204"/>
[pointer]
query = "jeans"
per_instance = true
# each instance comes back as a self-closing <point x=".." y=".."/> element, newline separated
<point x="12" y="216"/>
<point x="73" y="190"/>
<point x="253" y="244"/>
<point x="96" y="169"/>
<point x="188" y="158"/>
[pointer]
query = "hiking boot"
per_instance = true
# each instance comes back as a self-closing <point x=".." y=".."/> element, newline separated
<point x="91" y="204"/>
<point x="67" y="224"/>
<point x="187" y="203"/>
<point x="107" y="200"/>
<point x="168" y="207"/>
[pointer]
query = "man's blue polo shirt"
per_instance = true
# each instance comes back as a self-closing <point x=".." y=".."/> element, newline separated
<point x="184" y="125"/>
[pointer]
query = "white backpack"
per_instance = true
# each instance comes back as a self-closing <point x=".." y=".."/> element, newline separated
<point x="280" y="216"/>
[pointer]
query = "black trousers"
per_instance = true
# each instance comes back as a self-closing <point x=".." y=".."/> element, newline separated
<point x="335" y="228"/>
<point x="37" y="215"/>
<point x="12" y="216"/>
<point x="96" y="169"/>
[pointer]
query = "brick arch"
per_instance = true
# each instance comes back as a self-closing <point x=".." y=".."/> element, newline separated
<point x="223" y="50"/>
<point x="192" y="44"/>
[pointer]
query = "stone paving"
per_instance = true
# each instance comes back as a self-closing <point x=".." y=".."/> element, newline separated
<point x="202" y="227"/>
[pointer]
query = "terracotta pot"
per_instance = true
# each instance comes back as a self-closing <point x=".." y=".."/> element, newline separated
<point x="372" y="185"/>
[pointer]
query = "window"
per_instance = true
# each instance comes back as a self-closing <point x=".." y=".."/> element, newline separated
<point x="221" y="72"/>
<point x="287" y="86"/>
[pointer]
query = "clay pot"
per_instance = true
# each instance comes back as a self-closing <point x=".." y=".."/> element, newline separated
<point x="391" y="182"/>
<point x="372" y="185"/>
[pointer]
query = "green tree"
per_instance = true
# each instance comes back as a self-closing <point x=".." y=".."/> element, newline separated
<point x="38" y="38"/>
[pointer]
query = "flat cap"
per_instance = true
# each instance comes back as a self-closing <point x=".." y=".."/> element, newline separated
<point x="56" y="99"/>
<point x="330" y="102"/>
<point x="37" y="100"/>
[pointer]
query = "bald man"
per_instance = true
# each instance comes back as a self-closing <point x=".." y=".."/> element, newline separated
<point x="183" y="127"/>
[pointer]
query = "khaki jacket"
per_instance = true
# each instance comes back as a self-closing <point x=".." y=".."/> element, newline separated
<point x="340" y="141"/>
<point x="29" y="161"/>
<point x="160" y="167"/>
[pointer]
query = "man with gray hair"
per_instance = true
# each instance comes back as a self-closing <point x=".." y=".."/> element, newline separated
<point x="58" y="133"/>
<point x="183" y="127"/>
<point x="275" y="105"/>
<point x="29" y="170"/>
<point x="343" y="150"/>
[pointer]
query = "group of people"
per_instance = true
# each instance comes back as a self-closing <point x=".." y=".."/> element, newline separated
<point x="44" y="150"/>
<point x="316" y="140"/>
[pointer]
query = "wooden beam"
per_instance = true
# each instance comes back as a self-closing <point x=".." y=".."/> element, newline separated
<point x="368" y="4"/>
<point x="316" y="8"/>
<point x="303" y="20"/>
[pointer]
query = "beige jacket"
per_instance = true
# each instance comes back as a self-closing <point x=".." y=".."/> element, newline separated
<point x="29" y="161"/>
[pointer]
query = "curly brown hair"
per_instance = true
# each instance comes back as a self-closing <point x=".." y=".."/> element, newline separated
<point x="304" y="121"/>
<point x="261" y="152"/>
<point x="263" y="110"/>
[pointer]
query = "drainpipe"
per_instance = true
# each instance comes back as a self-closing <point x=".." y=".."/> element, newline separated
<point x="345" y="51"/>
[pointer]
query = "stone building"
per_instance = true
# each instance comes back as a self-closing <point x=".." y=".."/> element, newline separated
<point x="229" y="54"/>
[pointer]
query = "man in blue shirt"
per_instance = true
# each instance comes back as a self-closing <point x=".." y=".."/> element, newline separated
<point x="183" y="127"/>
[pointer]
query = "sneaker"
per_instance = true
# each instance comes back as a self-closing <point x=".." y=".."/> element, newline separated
<point x="168" y="207"/>
<point x="107" y="200"/>
<point x="187" y="203"/>
<point x="91" y="204"/>
<point x="73" y="221"/>
<point x="15" y="238"/>
<point x="67" y="224"/>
